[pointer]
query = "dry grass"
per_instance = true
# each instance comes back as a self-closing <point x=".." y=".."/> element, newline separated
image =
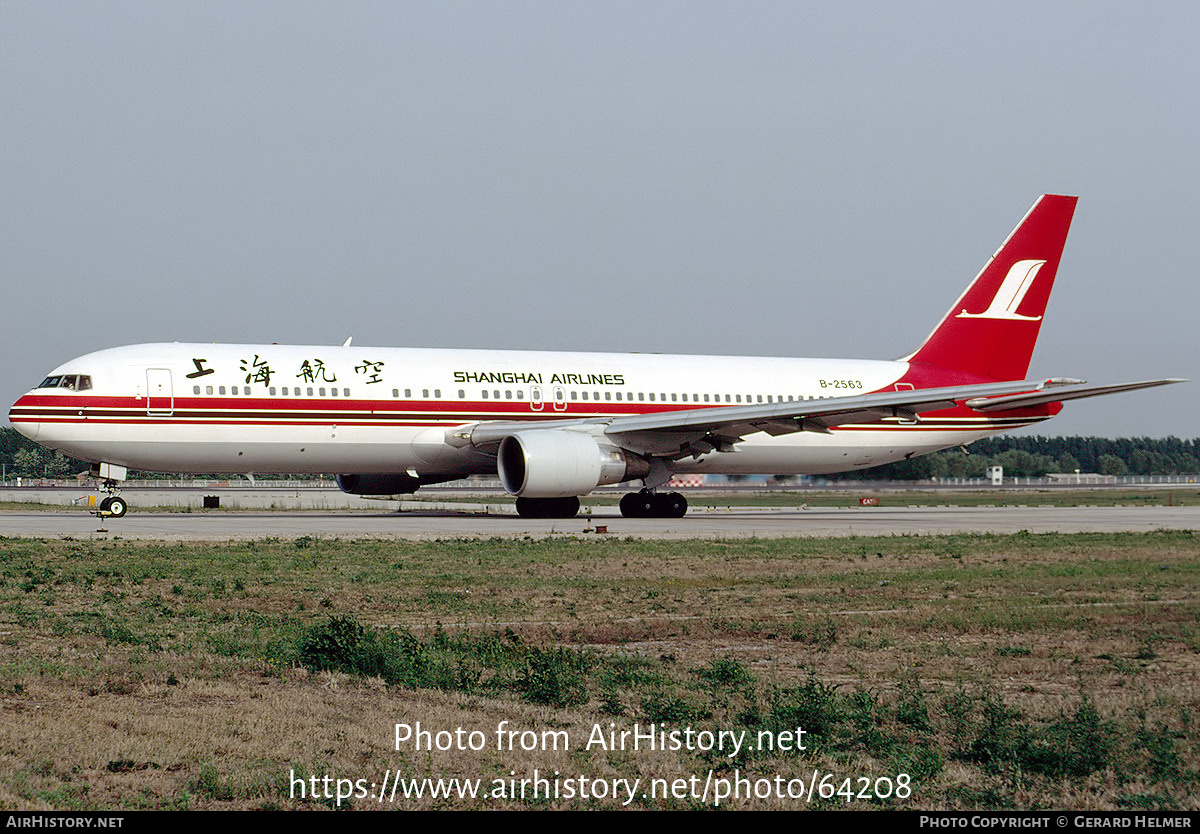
<point x="145" y="675"/>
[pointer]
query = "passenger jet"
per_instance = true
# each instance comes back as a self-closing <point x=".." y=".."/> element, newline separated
<point x="555" y="426"/>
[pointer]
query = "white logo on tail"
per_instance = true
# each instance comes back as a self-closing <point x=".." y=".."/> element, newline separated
<point x="1011" y="293"/>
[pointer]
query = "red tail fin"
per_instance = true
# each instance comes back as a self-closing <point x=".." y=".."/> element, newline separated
<point x="992" y="328"/>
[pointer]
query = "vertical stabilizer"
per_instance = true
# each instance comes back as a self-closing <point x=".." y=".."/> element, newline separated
<point x="992" y="328"/>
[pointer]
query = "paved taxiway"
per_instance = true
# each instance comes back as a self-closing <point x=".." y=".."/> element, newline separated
<point x="484" y="521"/>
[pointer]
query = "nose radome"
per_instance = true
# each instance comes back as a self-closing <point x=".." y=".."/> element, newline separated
<point x="21" y="420"/>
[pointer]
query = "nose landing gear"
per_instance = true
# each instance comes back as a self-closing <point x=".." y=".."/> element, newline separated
<point x="113" y="506"/>
<point x="109" y="476"/>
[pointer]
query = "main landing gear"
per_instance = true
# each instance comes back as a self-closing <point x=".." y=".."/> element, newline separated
<point x="647" y="504"/>
<point x="643" y="504"/>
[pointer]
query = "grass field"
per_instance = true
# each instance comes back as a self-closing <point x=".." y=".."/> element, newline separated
<point x="1024" y="671"/>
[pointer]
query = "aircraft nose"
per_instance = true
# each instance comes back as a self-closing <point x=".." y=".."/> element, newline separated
<point x="22" y="418"/>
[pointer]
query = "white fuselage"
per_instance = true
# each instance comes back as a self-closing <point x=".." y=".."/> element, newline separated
<point x="316" y="409"/>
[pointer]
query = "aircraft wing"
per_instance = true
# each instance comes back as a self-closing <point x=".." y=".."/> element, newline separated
<point x="698" y="430"/>
<point x="695" y="431"/>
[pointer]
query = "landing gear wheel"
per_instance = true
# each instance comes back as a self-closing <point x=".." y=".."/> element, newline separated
<point x="629" y="505"/>
<point x="639" y="504"/>
<point x="674" y="505"/>
<point x="547" y="507"/>
<point x="114" y="505"/>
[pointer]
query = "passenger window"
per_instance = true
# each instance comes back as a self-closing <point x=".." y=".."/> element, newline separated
<point x="308" y="392"/>
<point x="208" y="389"/>
<point x="321" y="391"/>
<point x="195" y="389"/>
<point x="222" y="389"/>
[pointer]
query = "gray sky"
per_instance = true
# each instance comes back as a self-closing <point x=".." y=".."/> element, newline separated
<point x="798" y="179"/>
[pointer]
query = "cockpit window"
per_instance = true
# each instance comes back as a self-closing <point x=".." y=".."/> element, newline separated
<point x="75" y="382"/>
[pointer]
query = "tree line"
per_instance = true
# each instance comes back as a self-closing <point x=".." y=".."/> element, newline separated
<point x="1024" y="456"/>
<point x="1033" y="456"/>
<point x="21" y="457"/>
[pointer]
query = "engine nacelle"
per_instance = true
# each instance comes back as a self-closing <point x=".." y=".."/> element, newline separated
<point x="556" y="463"/>
<point x="399" y="483"/>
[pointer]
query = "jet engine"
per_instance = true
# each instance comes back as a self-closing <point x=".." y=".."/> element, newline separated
<point x="557" y="463"/>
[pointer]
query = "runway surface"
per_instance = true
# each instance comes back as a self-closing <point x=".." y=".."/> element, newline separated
<point x="486" y="521"/>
